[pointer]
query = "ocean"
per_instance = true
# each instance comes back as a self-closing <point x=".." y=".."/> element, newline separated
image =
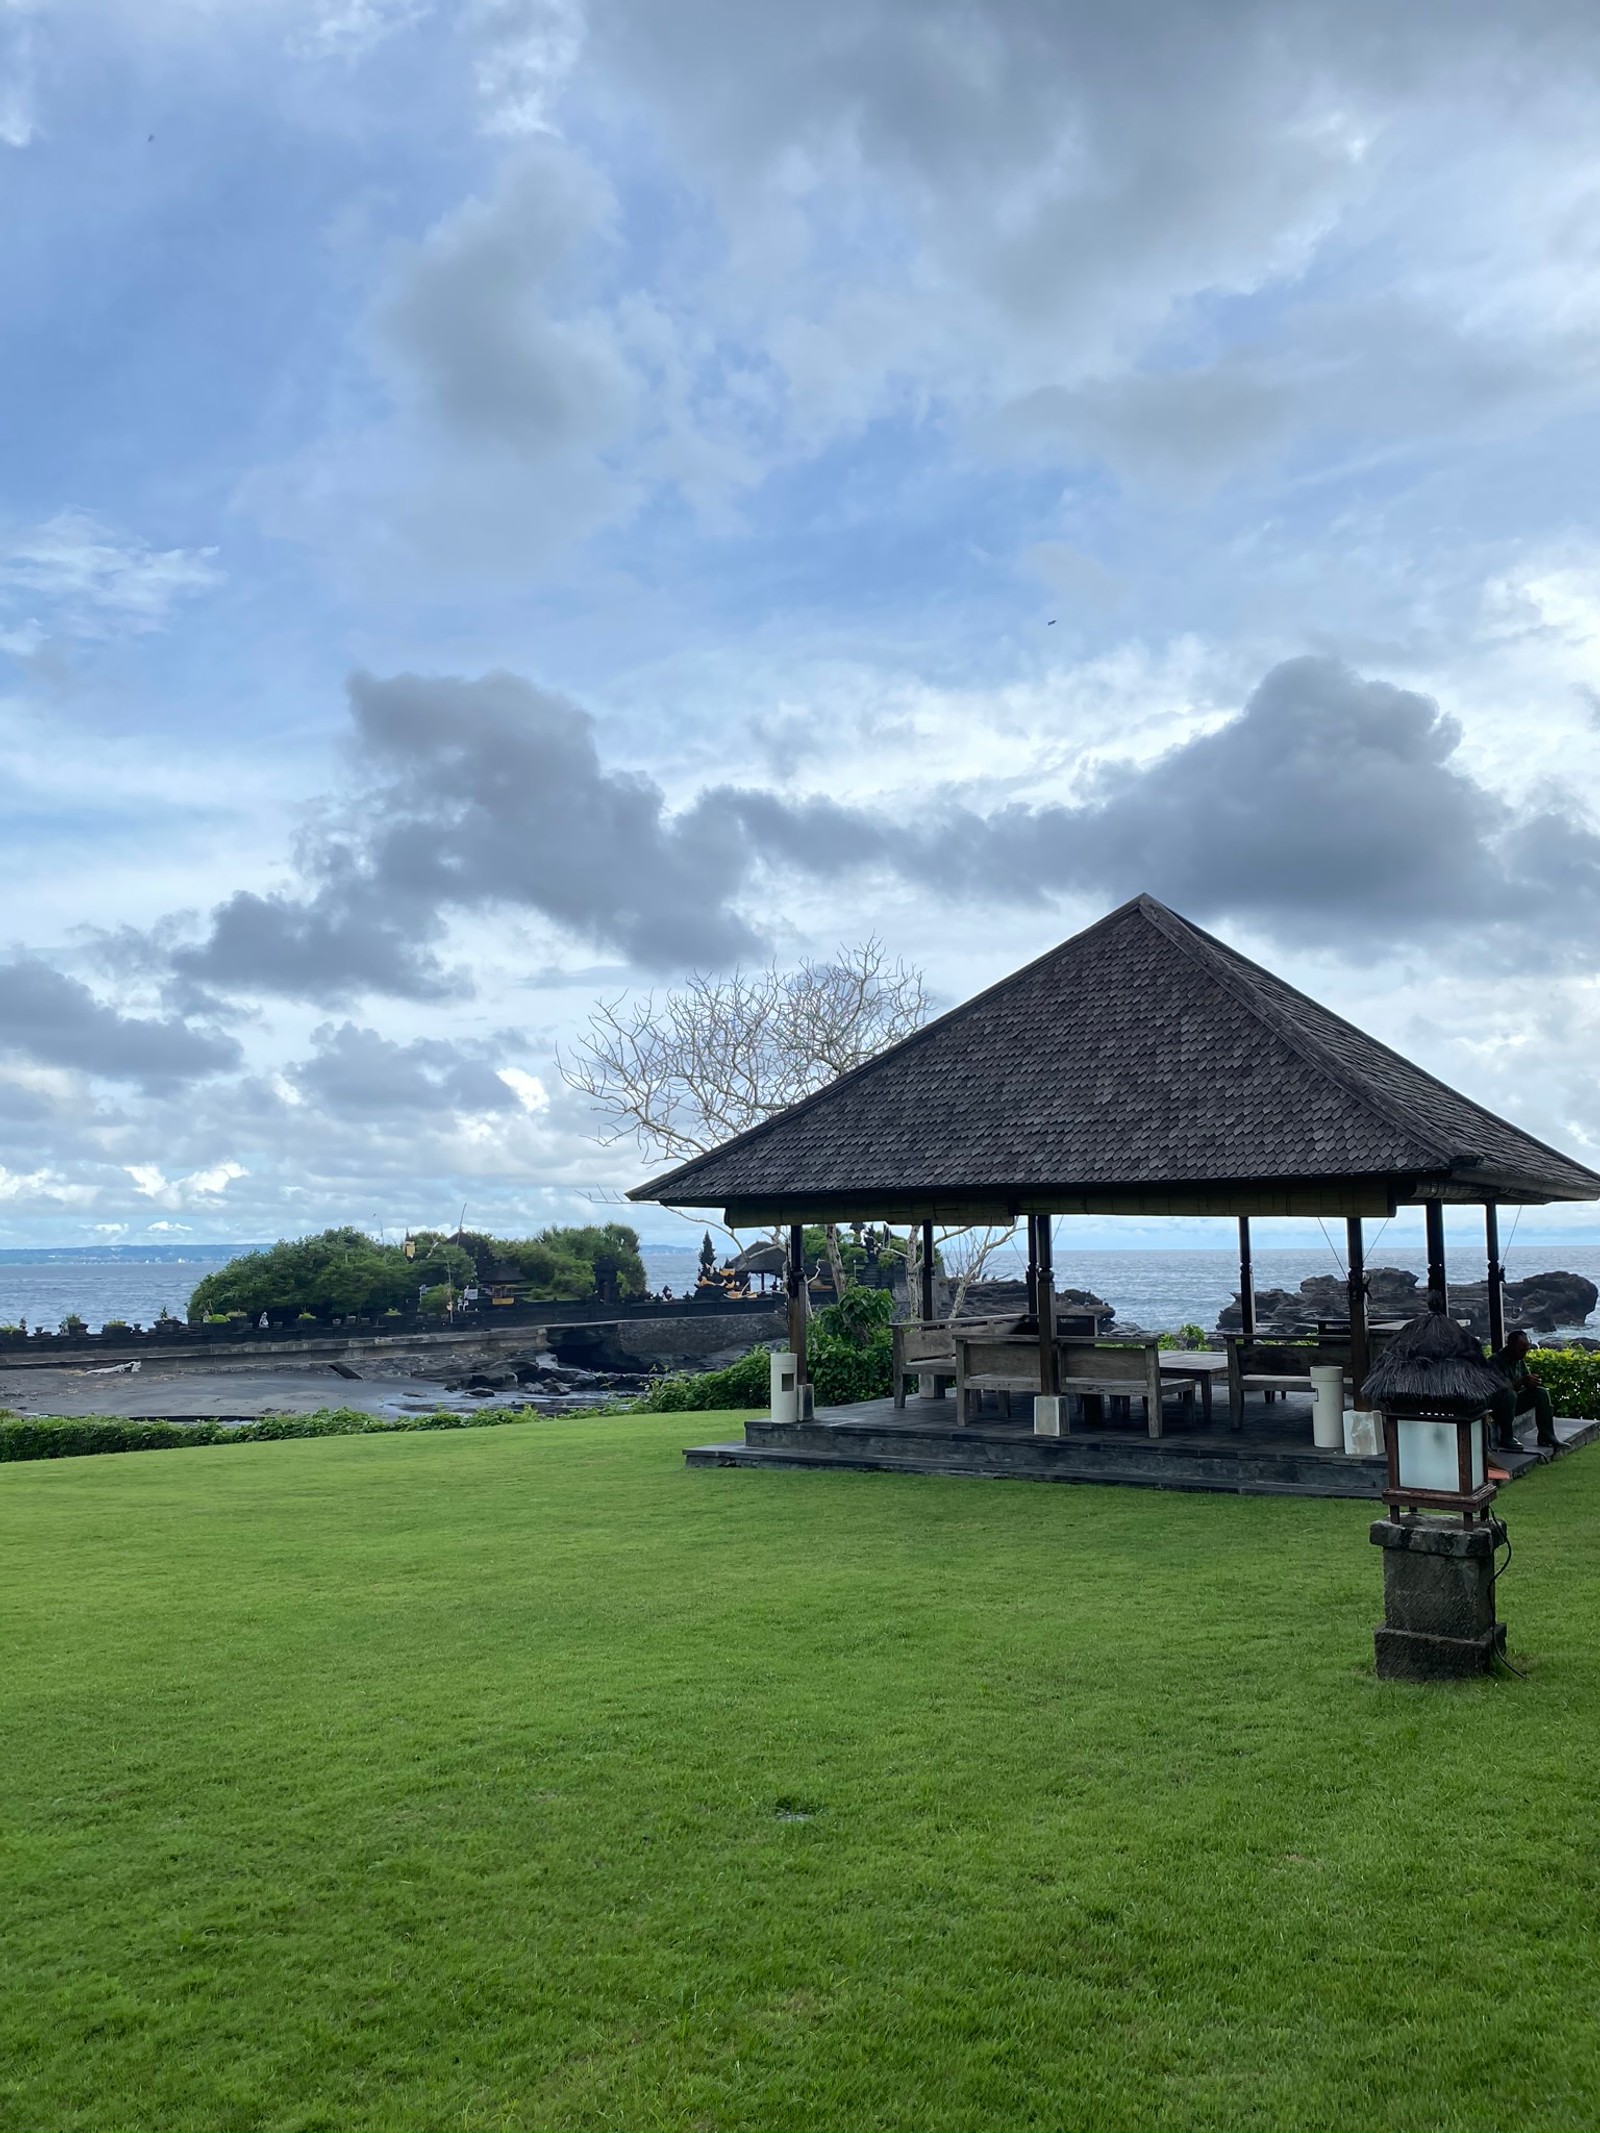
<point x="1156" y="1289"/>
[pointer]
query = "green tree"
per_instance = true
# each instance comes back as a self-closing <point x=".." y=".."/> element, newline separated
<point x="343" y="1273"/>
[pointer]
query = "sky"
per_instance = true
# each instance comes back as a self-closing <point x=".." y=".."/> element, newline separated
<point x="503" y="504"/>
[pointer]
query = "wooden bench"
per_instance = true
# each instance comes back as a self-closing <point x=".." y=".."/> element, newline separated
<point x="1277" y="1366"/>
<point x="926" y="1348"/>
<point x="1087" y="1369"/>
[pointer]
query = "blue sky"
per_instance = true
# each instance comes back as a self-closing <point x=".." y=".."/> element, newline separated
<point x="866" y="442"/>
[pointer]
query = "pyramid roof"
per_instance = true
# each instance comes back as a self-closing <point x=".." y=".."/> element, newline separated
<point x="1141" y="1067"/>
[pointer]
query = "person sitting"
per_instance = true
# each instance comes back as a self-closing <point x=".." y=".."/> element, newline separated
<point x="1523" y="1390"/>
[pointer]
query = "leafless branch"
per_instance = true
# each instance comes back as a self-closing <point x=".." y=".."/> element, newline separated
<point x="688" y="1070"/>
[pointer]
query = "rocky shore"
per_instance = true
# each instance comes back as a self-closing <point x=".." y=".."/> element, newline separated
<point x="1541" y="1304"/>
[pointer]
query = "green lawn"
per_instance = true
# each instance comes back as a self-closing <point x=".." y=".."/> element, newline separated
<point x="524" y="1778"/>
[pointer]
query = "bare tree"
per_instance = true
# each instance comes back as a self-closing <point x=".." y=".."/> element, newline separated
<point x="688" y="1070"/>
<point x="967" y="1252"/>
<point x="963" y="1255"/>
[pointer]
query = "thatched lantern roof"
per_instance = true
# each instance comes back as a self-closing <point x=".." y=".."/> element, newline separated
<point x="1433" y="1367"/>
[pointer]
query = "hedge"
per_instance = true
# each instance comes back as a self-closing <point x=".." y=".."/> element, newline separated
<point x="841" y="1370"/>
<point x="74" y="1436"/>
<point x="1571" y="1376"/>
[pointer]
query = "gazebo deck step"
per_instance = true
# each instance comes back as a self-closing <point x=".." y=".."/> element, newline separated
<point x="1212" y="1477"/>
<point x="1224" y="1466"/>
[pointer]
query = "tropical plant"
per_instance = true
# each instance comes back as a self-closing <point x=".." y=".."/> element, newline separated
<point x="343" y="1273"/>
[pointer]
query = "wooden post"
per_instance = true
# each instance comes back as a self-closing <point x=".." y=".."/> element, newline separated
<point x="796" y="1272"/>
<point x="1497" y="1277"/>
<point x="1247" y="1282"/>
<point x="1360" y="1361"/>
<point x="1033" y="1269"/>
<point x="927" y="1274"/>
<point x="1044" y="1259"/>
<point x="1438" y="1280"/>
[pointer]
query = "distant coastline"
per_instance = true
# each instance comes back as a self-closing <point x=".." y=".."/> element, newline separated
<point x="125" y="1254"/>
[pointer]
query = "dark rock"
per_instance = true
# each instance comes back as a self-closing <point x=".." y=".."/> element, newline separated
<point x="1538" y="1305"/>
<point x="1007" y="1299"/>
<point x="1545" y="1301"/>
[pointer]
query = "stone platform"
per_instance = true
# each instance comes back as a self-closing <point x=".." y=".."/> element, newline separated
<point x="1272" y="1455"/>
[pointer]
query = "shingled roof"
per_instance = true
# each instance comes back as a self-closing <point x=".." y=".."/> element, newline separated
<point x="1142" y="1067"/>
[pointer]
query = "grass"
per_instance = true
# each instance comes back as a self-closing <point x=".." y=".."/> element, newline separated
<point x="525" y="1778"/>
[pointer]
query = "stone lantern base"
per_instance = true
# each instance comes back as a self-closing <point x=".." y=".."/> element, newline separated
<point x="1438" y="1600"/>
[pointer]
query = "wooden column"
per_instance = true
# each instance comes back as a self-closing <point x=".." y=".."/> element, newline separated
<point x="1044" y="1260"/>
<point x="927" y="1274"/>
<point x="1438" y="1280"/>
<point x="796" y="1278"/>
<point x="1497" y="1277"/>
<point x="1247" y="1282"/>
<point x="1360" y="1361"/>
<point x="1033" y="1269"/>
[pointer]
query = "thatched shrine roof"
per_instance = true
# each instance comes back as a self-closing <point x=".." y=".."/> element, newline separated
<point x="1433" y="1366"/>
<point x="1142" y="1067"/>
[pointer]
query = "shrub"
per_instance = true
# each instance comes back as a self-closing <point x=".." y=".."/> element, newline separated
<point x="858" y="1317"/>
<point x="74" y="1436"/>
<point x="72" y="1323"/>
<point x="842" y="1372"/>
<point x="1571" y="1376"/>
<point x="116" y="1325"/>
<point x="842" y="1369"/>
<point x="742" y="1384"/>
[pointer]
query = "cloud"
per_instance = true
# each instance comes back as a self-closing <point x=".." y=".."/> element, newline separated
<point x="527" y="49"/>
<point x="347" y="937"/>
<point x="197" y="1188"/>
<point x="515" y="404"/>
<point x="356" y="1073"/>
<point x="1330" y="811"/>
<point x="1329" y="798"/>
<point x="54" y="1020"/>
<point x="349" y="29"/>
<point x="478" y="794"/>
<point x="470" y="318"/>
<point x="17" y="121"/>
<point x="75" y="575"/>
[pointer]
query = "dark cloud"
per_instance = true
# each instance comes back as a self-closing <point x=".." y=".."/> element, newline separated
<point x="53" y="1020"/>
<point x="468" y="321"/>
<point x="356" y="1073"/>
<point x="352" y="935"/>
<point x="479" y="794"/>
<point x="1330" y="810"/>
<point x="1329" y="797"/>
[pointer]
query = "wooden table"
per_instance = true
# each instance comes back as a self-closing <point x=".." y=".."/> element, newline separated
<point x="1201" y="1364"/>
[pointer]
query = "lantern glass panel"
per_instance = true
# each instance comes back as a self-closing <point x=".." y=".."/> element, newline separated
<point x="1428" y="1455"/>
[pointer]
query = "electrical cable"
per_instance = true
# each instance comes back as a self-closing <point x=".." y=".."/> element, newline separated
<point x="1497" y="1570"/>
<point x="1333" y="1248"/>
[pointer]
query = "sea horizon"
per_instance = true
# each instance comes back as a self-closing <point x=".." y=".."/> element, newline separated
<point x="1159" y="1289"/>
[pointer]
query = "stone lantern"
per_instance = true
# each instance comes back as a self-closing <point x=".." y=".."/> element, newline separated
<point x="1433" y="1388"/>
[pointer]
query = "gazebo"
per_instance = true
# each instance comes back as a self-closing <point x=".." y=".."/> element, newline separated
<point x="1142" y="1067"/>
